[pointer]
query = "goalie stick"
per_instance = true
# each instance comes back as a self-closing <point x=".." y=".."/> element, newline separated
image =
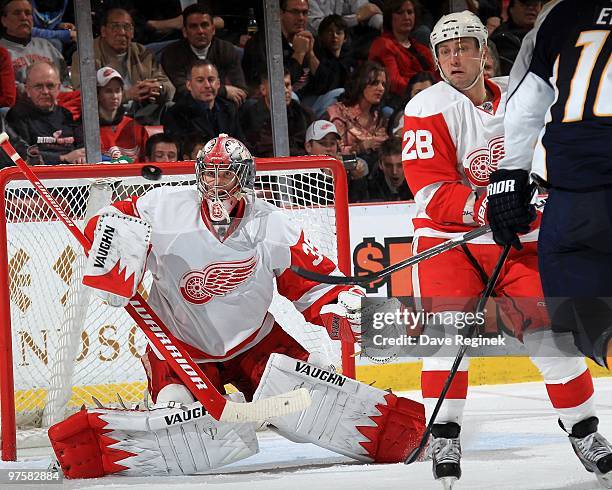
<point x="412" y="457"/>
<point x="387" y="271"/>
<point x="158" y="334"/>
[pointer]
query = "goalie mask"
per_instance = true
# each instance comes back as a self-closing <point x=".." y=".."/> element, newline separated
<point x="456" y="26"/>
<point x="225" y="173"/>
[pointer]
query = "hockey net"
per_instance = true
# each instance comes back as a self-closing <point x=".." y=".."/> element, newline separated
<point x="60" y="344"/>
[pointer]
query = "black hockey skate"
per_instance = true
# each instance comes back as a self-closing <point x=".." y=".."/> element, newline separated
<point x="445" y="451"/>
<point x="593" y="450"/>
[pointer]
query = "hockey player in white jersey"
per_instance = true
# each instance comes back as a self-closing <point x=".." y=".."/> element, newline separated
<point x="215" y="251"/>
<point x="453" y="139"/>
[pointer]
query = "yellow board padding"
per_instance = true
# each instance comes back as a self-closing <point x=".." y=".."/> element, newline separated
<point x="483" y="371"/>
<point x="131" y="393"/>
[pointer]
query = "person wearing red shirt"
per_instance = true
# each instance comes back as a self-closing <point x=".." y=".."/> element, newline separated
<point x="8" y="89"/>
<point x="120" y="135"/>
<point x="400" y="53"/>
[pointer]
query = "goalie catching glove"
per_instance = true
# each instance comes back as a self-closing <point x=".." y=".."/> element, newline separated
<point x="117" y="257"/>
<point x="509" y="206"/>
<point x="343" y="319"/>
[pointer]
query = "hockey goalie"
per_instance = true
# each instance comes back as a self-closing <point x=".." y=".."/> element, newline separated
<point x="214" y="251"/>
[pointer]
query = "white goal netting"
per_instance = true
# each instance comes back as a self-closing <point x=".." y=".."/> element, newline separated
<point x="67" y="345"/>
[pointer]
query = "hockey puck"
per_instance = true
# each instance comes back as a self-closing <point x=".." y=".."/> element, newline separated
<point x="151" y="172"/>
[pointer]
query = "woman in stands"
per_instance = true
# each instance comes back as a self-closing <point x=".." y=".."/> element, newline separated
<point x="361" y="126"/>
<point x="396" y="48"/>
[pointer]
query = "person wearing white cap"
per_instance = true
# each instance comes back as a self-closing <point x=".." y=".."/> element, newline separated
<point x="120" y="135"/>
<point x="323" y="138"/>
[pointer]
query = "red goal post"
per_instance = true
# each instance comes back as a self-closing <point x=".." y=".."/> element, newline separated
<point x="58" y="345"/>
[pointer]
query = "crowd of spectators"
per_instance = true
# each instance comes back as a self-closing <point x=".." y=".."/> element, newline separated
<point x="173" y="74"/>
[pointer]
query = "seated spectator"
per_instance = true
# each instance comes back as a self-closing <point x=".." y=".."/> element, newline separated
<point x="17" y="21"/>
<point x="298" y="47"/>
<point x="509" y="35"/>
<point x="327" y="82"/>
<point x="16" y="141"/>
<point x="397" y="50"/>
<point x="492" y="67"/>
<point x="388" y="182"/>
<point x="419" y="82"/>
<point x="161" y="148"/>
<point x="155" y="21"/>
<point x="199" y="42"/>
<point x="120" y="135"/>
<point x="192" y="146"/>
<point x="352" y="13"/>
<point x="159" y="22"/>
<point x="201" y="110"/>
<point x="146" y="85"/>
<point x="322" y="138"/>
<point x="357" y="116"/>
<point x="8" y="90"/>
<point x="49" y="24"/>
<point x="41" y="123"/>
<point x="257" y="122"/>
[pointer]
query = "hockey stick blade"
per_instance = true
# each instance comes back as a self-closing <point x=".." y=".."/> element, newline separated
<point x="387" y="271"/>
<point x="158" y="334"/>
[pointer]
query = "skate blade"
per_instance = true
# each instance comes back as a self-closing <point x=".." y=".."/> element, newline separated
<point x="448" y="482"/>
<point x="606" y="479"/>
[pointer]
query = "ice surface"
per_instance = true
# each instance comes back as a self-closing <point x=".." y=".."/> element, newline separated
<point x="511" y="441"/>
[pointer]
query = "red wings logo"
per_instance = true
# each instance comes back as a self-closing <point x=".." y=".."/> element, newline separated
<point x="480" y="163"/>
<point x="217" y="279"/>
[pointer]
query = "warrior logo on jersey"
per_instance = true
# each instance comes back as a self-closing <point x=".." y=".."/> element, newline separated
<point x="217" y="279"/>
<point x="481" y="162"/>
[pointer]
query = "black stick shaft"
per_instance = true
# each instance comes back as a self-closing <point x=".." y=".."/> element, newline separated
<point x="387" y="271"/>
<point x="460" y="354"/>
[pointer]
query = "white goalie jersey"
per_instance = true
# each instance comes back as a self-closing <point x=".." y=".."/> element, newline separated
<point x="214" y="296"/>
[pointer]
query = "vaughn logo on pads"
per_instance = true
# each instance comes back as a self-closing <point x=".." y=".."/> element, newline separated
<point x="318" y="373"/>
<point x="105" y="245"/>
<point x="185" y="415"/>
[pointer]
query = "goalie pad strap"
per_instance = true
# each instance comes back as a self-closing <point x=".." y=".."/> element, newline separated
<point x="169" y="441"/>
<point x="117" y="257"/>
<point x="346" y="416"/>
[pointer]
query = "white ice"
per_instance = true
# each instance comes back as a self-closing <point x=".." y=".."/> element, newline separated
<point x="511" y="440"/>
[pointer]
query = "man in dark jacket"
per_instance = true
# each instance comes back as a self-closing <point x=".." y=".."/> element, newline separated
<point x="201" y="110"/>
<point x="388" y="182"/>
<point x="199" y="42"/>
<point x="298" y="47"/>
<point x="47" y="129"/>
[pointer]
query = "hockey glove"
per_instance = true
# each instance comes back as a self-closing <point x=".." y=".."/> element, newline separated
<point x="343" y="319"/>
<point x="117" y="257"/>
<point x="509" y="211"/>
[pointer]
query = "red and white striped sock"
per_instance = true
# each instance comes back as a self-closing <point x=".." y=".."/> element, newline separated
<point x="570" y="387"/>
<point x="433" y="378"/>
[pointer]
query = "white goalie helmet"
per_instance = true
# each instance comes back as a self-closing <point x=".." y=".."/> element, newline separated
<point x="225" y="173"/>
<point x="455" y="26"/>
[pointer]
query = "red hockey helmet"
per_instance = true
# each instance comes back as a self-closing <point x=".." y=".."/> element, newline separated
<point x="224" y="167"/>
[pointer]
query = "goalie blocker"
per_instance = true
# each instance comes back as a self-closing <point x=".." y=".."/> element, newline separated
<point x="346" y="416"/>
<point x="117" y="257"/>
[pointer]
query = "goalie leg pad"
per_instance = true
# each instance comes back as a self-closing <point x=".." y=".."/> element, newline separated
<point x="117" y="257"/>
<point x="346" y="416"/>
<point x="169" y="441"/>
